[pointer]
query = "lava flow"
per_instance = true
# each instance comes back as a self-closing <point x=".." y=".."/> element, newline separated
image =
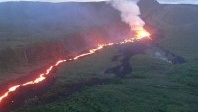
<point x="141" y="34"/>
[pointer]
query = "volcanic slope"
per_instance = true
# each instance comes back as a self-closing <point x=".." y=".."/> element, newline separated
<point x="32" y="36"/>
<point x="154" y="85"/>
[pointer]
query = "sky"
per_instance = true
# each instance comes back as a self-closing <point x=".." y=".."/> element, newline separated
<point x="161" y="1"/>
<point x="179" y="1"/>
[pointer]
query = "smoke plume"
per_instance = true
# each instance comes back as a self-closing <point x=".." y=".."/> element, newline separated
<point x="129" y="13"/>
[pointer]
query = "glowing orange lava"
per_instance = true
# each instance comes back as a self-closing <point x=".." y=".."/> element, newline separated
<point x="140" y="35"/>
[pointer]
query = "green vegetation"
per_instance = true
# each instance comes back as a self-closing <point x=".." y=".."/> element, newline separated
<point x="153" y="86"/>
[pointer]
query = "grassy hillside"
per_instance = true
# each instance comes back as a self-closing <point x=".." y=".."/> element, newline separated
<point x="153" y="86"/>
<point x="30" y="30"/>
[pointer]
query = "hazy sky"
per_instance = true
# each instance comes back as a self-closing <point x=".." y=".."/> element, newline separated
<point x="161" y="1"/>
<point x="179" y="1"/>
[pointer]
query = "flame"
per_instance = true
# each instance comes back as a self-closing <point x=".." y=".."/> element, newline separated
<point x="140" y="34"/>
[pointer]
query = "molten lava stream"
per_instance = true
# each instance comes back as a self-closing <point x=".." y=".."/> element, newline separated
<point x="141" y="34"/>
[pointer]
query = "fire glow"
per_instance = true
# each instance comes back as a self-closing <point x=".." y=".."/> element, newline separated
<point x="141" y="34"/>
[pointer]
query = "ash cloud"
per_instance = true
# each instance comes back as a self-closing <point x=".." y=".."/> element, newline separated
<point x="129" y="12"/>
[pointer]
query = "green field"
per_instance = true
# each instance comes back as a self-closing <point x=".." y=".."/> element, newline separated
<point x="83" y="85"/>
<point x="153" y="86"/>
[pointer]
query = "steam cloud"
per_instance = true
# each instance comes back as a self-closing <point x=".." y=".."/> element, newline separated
<point x="129" y="13"/>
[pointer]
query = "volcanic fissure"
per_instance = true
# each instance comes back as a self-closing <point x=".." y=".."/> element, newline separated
<point x="43" y="76"/>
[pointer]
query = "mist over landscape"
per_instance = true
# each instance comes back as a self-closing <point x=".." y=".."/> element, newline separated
<point x="104" y="56"/>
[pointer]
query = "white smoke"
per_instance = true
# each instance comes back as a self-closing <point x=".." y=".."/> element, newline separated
<point x="129" y="13"/>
